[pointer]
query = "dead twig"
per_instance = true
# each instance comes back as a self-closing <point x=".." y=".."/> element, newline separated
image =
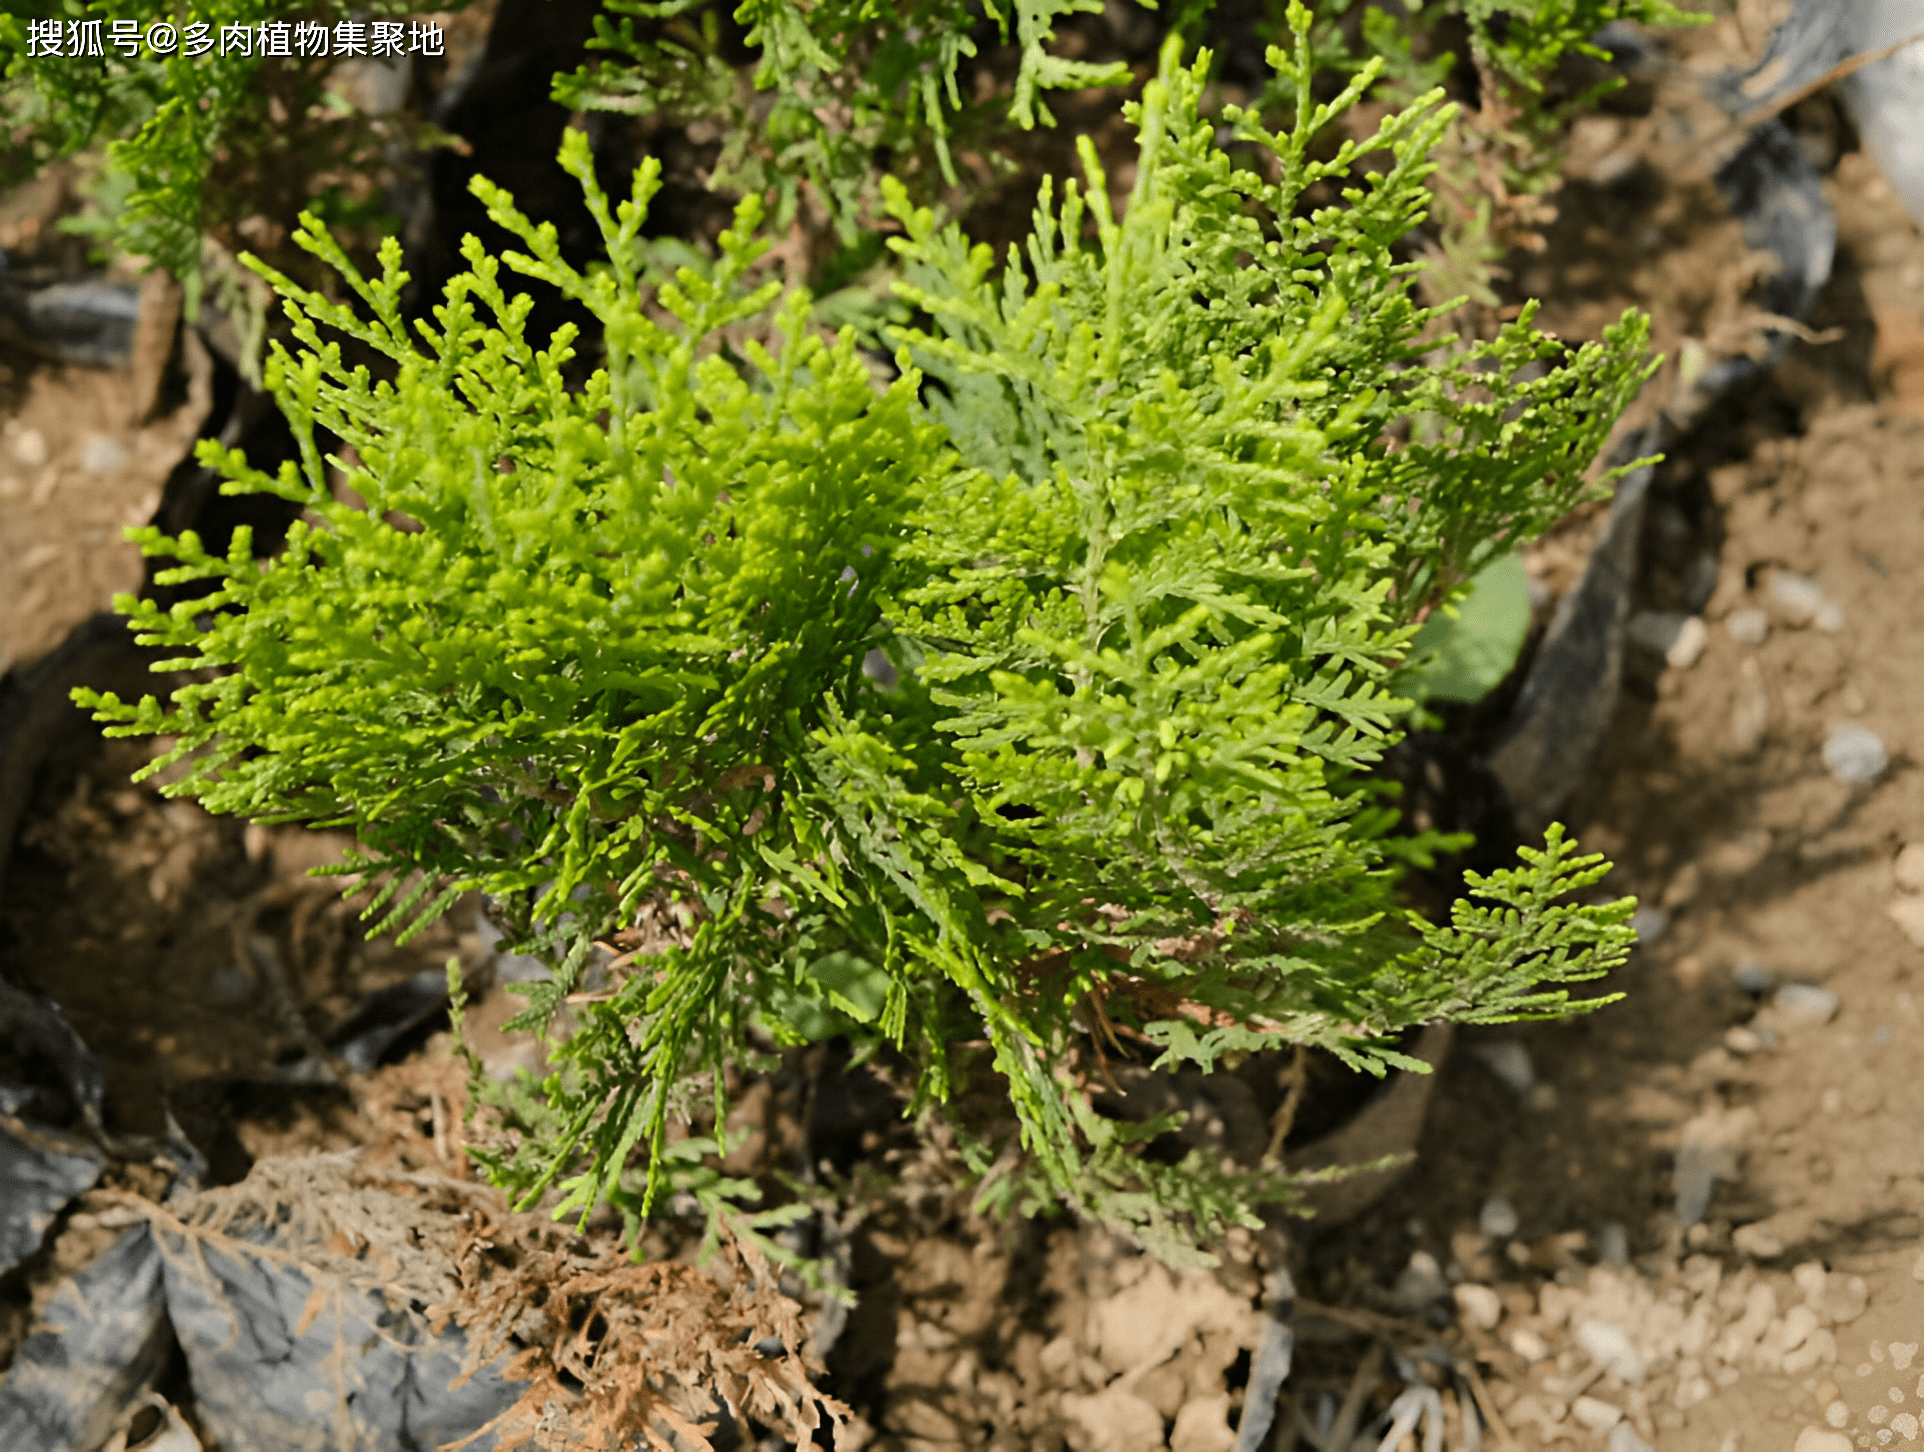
<point x="1487" y="1407"/>
<point x="1351" y="1412"/>
<point x="1295" y="1078"/>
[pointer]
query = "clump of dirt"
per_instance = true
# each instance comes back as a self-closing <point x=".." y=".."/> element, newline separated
<point x="79" y="462"/>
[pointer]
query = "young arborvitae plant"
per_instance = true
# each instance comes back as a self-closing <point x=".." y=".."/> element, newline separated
<point x="202" y="136"/>
<point x="837" y="82"/>
<point x="1500" y="163"/>
<point x="1143" y="528"/>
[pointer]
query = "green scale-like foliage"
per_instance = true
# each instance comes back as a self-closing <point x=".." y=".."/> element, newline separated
<point x="187" y="139"/>
<point x="1145" y="522"/>
<point x="838" y="82"/>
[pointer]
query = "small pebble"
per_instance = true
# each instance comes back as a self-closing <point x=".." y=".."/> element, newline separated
<point x="1905" y="1425"/>
<point x="1498" y="1220"/>
<point x="1829" y="618"/>
<point x="1908" y="914"/>
<point x="1753" y="977"/>
<point x="1510" y="1062"/>
<point x="1855" y="754"/>
<point x="1902" y="1354"/>
<point x="1815" y="1439"/>
<point x="1624" y="1438"/>
<point x="30" y="447"/>
<point x="1748" y="627"/>
<point x="1742" y="1042"/>
<point x="1479" y="1305"/>
<point x="1805" y="1003"/>
<point x="1529" y="1345"/>
<point x="1648" y="924"/>
<point x="1688" y="648"/>
<point x="1677" y="637"/>
<point x="1837" y="1414"/>
<point x="1596" y="1414"/>
<point x="1845" y="1299"/>
<point x="1613" y="1245"/>
<point x="1759" y="1244"/>
<point x="1611" y="1349"/>
<point x="1796" y="599"/>
<point x="1420" y="1285"/>
<point x="101" y="453"/>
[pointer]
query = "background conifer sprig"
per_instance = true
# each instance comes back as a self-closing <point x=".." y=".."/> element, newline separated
<point x="1142" y="527"/>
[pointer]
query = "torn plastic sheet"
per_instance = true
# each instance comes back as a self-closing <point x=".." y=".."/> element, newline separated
<point x="387" y="1016"/>
<point x="285" y="1357"/>
<point x="1885" y="98"/>
<point x="40" y="1174"/>
<point x="46" y="1072"/>
<point x="102" y="1338"/>
<point x="1570" y="695"/>
<point x="286" y="1349"/>
<point x="90" y="323"/>
<point x="47" y="1078"/>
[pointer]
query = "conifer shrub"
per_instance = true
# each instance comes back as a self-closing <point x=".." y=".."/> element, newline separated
<point x="1017" y="705"/>
<point x="834" y="85"/>
<point x="190" y="151"/>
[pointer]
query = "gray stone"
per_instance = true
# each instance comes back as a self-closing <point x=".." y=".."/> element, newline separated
<point x="1748" y="627"/>
<point x="1805" y="1003"/>
<point x="1421" y="1285"/>
<point x="1855" y="754"/>
<point x="1796" y="599"/>
<point x="1613" y="1245"/>
<point x="1510" y="1062"/>
<point x="1498" y="1219"/>
<point x="1613" y="1350"/>
<point x="101" y="454"/>
<point x="1693" y="1179"/>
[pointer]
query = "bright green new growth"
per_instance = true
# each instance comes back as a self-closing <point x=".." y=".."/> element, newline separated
<point x="1145" y="524"/>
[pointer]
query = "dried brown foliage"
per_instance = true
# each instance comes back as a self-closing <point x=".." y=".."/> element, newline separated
<point x="612" y="1350"/>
